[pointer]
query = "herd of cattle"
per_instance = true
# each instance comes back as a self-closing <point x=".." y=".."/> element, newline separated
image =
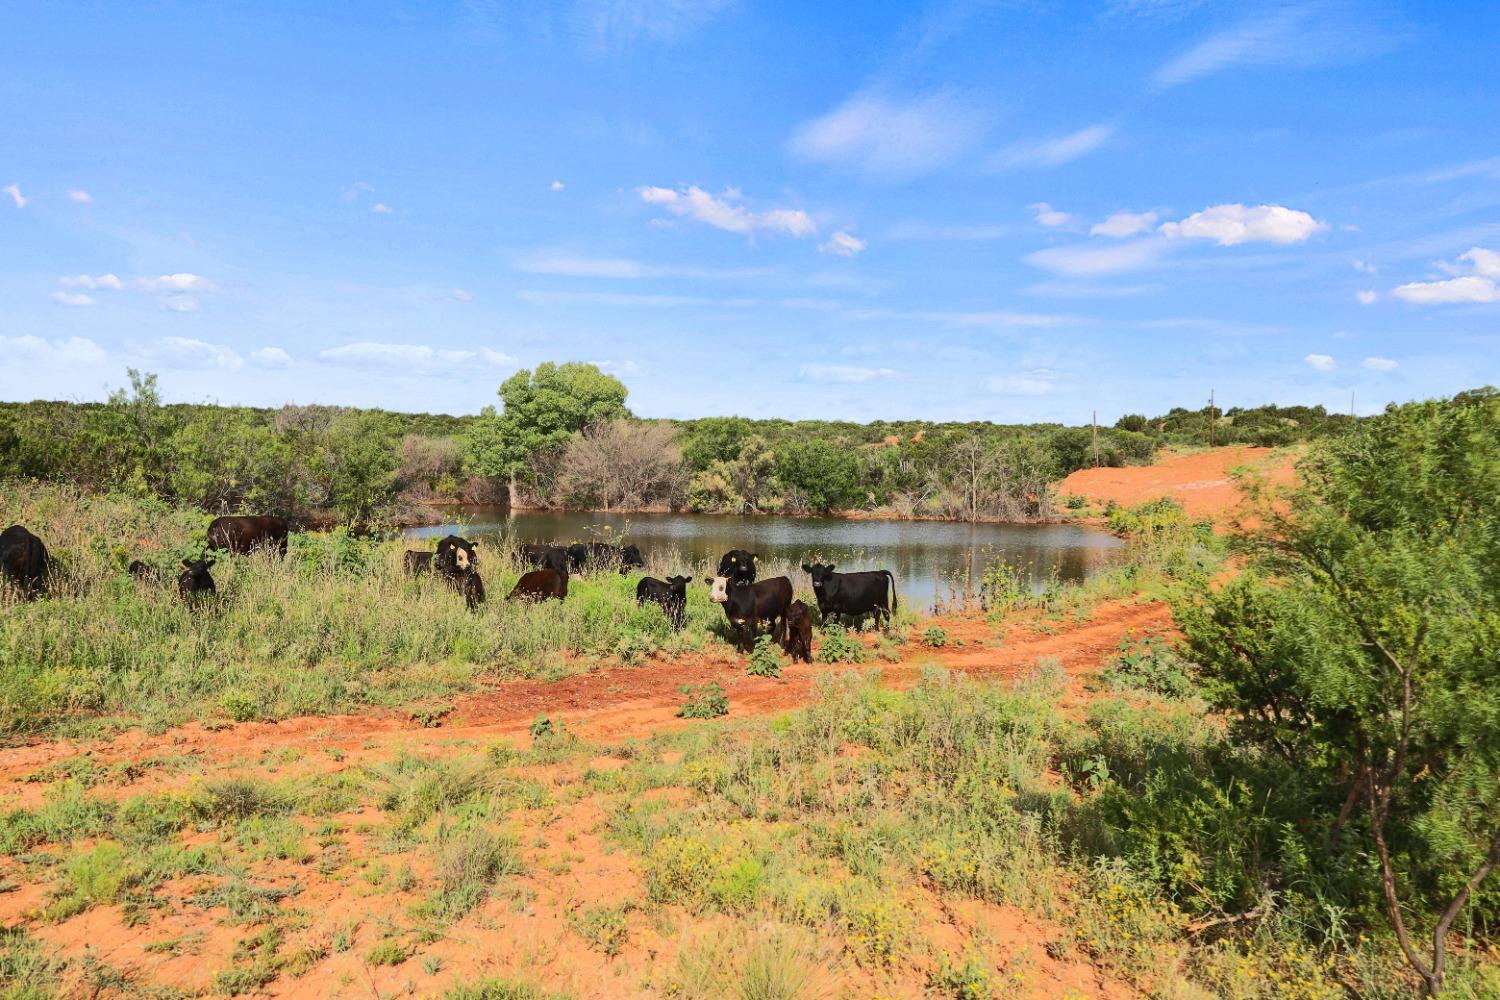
<point x="748" y="603"/>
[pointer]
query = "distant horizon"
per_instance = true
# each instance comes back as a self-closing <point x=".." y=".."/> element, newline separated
<point x="966" y="211"/>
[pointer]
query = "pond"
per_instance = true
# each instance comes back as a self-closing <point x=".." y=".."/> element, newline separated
<point x="927" y="557"/>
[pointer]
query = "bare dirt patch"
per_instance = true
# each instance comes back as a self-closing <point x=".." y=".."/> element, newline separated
<point x="1201" y="481"/>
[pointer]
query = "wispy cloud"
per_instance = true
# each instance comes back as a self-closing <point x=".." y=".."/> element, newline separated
<point x="79" y="195"/>
<point x="726" y="212"/>
<point x="556" y="185"/>
<point x="913" y="229"/>
<point x="1228" y="225"/>
<point x="92" y="281"/>
<point x="14" y="190"/>
<point x="1380" y="364"/>
<point x="844" y="373"/>
<point x="381" y="208"/>
<point x="1320" y="362"/>
<point x="1089" y="258"/>
<point x="1036" y="382"/>
<point x="843" y="244"/>
<point x="179" y="303"/>
<point x="270" y="357"/>
<point x="1366" y="297"/>
<point x="891" y="138"/>
<point x="355" y="190"/>
<point x="1046" y="215"/>
<point x="979" y="319"/>
<point x="1054" y="151"/>
<point x="181" y="282"/>
<point x="1307" y="34"/>
<point x="72" y="351"/>
<point x="1478" y="281"/>
<point x="413" y="357"/>
<point x="1123" y="224"/>
<point x="617" y="24"/>
<point x="72" y="299"/>
<point x="187" y="352"/>
<point x="583" y="266"/>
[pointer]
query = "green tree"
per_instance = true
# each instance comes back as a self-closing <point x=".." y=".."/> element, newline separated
<point x="542" y="411"/>
<point x="715" y="439"/>
<point x="1360" y="644"/>
<point x="823" y="474"/>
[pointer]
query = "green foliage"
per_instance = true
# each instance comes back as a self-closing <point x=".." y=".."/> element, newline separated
<point x="765" y="659"/>
<point x="605" y="928"/>
<point x="542" y="410"/>
<point x="389" y="951"/>
<point x="970" y="979"/>
<point x="1357" y="649"/>
<point x="838" y="646"/>
<point x="465" y="867"/>
<point x="500" y="989"/>
<point x="1149" y="663"/>
<point x="821" y="474"/>
<point x="707" y="701"/>
<point x="935" y="636"/>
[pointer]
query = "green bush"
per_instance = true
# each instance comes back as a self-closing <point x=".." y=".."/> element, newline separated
<point x="765" y="659"/>
<point x="707" y="701"/>
<point x="838" y="646"/>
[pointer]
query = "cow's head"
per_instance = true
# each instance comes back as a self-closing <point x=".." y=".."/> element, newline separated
<point x="718" y="589"/>
<point x="195" y="576"/>
<point x="679" y="584"/>
<point x="821" y="574"/>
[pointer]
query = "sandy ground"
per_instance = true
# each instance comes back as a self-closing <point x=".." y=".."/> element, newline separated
<point x="1201" y="481"/>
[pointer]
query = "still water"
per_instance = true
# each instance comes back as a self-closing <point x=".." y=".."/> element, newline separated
<point x="927" y="557"/>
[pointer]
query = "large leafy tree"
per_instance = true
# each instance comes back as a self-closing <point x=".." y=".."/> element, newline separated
<point x="1361" y="646"/>
<point x="542" y="411"/>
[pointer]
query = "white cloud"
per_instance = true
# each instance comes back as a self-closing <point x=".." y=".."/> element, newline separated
<point x="1123" y="224"/>
<point x="1483" y="285"/>
<point x="72" y="299"/>
<point x="723" y="213"/>
<point x="1320" y="362"/>
<point x="270" y="357"/>
<point x="1364" y="267"/>
<point x="459" y="295"/>
<point x="193" y="353"/>
<point x="14" y="190"/>
<point x="556" y="185"/>
<point x="1036" y="382"/>
<point x="626" y="367"/>
<point x="413" y="357"/>
<point x="891" y="138"/>
<point x="1367" y="297"/>
<point x="616" y="24"/>
<point x="1055" y="151"/>
<point x="1380" y="364"/>
<point x="79" y="195"/>
<point x="1049" y="216"/>
<point x="845" y="373"/>
<point x="179" y="303"/>
<point x="356" y="189"/>
<point x="843" y="244"/>
<point x="580" y="266"/>
<point x="92" y="281"/>
<point x="181" y="282"/>
<point x="1306" y="35"/>
<point x="380" y="208"/>
<point x="995" y="319"/>
<point x="1088" y="258"/>
<point x="73" y="351"/>
<point x="1234" y="223"/>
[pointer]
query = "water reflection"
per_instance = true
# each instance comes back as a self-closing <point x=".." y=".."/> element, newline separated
<point x="926" y="556"/>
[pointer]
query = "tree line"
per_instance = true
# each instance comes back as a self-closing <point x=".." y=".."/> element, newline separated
<point x="563" y="437"/>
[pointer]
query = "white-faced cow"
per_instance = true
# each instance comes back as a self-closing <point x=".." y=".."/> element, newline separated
<point x="746" y="605"/>
<point x="855" y="594"/>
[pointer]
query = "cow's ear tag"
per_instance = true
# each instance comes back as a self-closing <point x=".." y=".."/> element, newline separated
<point x="734" y="559"/>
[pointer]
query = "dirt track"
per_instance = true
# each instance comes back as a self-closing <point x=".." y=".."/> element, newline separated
<point x="1200" y="481"/>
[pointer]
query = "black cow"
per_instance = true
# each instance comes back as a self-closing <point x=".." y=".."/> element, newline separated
<point x="578" y="554"/>
<point x="746" y="605"/>
<point x="417" y="562"/>
<point x="631" y="558"/>
<point x="241" y="533"/>
<point x="454" y="555"/>
<point x="670" y="593"/>
<point x="553" y="557"/>
<point x="23" y="558"/>
<point x="798" y="639"/>
<point x="738" y="565"/>
<point x="470" y="585"/>
<point x="856" y="594"/>
<point x="144" y="573"/>
<point x="540" y="585"/>
<point x="195" y="583"/>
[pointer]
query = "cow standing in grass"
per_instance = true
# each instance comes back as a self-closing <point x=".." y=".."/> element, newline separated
<point x="746" y="605"/>
<point x="553" y="557"/>
<point x="798" y="640"/>
<point x="854" y="594"/>
<point x="23" y="559"/>
<point x="458" y="564"/>
<point x="195" y="583"/>
<point x="540" y="585"/>
<point x="244" y="533"/>
<point x="670" y="594"/>
<point x="738" y="565"/>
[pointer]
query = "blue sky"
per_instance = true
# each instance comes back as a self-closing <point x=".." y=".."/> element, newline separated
<point x="998" y="211"/>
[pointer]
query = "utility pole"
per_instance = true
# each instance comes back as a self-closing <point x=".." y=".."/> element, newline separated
<point x="1210" y="418"/>
<point x="1351" y="402"/>
<point x="1096" y="439"/>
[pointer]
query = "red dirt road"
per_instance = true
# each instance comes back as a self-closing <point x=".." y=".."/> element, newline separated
<point x="1200" y="481"/>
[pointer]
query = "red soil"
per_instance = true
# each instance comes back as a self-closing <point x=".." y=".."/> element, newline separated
<point x="1200" y="481"/>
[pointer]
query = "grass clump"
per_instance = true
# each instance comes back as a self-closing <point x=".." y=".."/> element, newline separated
<point x="765" y="659"/>
<point x="501" y="989"/>
<point x="707" y="701"/>
<point x="389" y="951"/>
<point x="1149" y="663"/>
<point x="605" y="928"/>
<point x="838" y="646"/>
<point x="465" y="867"/>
